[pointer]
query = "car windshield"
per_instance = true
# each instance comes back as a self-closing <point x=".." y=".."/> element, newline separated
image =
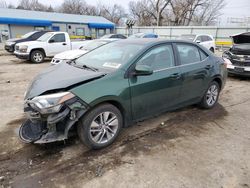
<point x="110" y="56"/>
<point x="106" y="36"/>
<point x="45" y="37"/>
<point x="137" y="35"/>
<point x="187" y="37"/>
<point x="93" y="45"/>
<point x="28" y="34"/>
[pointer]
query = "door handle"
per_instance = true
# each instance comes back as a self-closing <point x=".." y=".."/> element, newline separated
<point x="64" y="44"/>
<point x="175" y="76"/>
<point x="208" y="67"/>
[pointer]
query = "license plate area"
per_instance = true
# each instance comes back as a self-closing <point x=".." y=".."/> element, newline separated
<point x="239" y="69"/>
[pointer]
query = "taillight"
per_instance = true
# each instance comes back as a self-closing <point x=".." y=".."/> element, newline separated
<point x="226" y="62"/>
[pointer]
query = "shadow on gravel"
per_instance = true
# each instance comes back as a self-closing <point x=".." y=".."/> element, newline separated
<point x="43" y="161"/>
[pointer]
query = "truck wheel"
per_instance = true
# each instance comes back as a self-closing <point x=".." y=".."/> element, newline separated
<point x="100" y="127"/>
<point x="211" y="96"/>
<point x="37" y="56"/>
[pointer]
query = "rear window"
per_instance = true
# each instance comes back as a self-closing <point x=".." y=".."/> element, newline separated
<point x="188" y="53"/>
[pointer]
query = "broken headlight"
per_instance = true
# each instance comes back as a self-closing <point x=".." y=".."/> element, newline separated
<point x="50" y="103"/>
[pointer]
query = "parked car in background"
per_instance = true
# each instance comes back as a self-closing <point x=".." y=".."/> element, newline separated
<point x="31" y="36"/>
<point x="73" y="54"/>
<point x="239" y="55"/>
<point x="205" y="40"/>
<point x="143" y="35"/>
<point x="117" y="84"/>
<point x="47" y="45"/>
<point x="114" y="36"/>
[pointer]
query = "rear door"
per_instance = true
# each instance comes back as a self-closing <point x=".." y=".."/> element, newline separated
<point x="196" y="71"/>
<point x="57" y="44"/>
<point x="154" y="93"/>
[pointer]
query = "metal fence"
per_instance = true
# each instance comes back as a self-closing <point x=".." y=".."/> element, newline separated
<point x="221" y="34"/>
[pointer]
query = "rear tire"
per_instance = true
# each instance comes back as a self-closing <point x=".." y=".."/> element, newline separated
<point x="100" y="127"/>
<point x="37" y="56"/>
<point x="211" y="96"/>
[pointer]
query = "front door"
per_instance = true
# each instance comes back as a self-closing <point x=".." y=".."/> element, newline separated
<point x="57" y="44"/>
<point x="159" y="91"/>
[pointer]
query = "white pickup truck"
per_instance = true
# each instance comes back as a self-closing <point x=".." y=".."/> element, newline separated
<point x="47" y="45"/>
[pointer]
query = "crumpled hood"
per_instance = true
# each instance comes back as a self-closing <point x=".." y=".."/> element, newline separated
<point x="241" y="38"/>
<point x="70" y="54"/>
<point x="59" y="77"/>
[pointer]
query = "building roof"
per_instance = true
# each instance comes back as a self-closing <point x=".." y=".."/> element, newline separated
<point x="12" y="14"/>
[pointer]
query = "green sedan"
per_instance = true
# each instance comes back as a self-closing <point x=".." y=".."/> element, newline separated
<point x="117" y="85"/>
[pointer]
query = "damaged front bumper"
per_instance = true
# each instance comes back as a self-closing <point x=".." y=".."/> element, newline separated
<point x="50" y="127"/>
<point x="240" y="64"/>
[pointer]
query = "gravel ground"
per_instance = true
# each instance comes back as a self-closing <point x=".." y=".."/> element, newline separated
<point x="189" y="147"/>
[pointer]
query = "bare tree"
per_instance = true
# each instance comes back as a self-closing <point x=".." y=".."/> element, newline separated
<point x="32" y="5"/>
<point x="175" y="12"/>
<point x="209" y="13"/>
<point x="73" y="6"/>
<point x="3" y="4"/>
<point x="114" y="13"/>
<point x="156" y="8"/>
<point x="139" y="13"/>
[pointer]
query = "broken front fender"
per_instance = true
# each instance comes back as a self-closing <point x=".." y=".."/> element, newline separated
<point x="45" y="128"/>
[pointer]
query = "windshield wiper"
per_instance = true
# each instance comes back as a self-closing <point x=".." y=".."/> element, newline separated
<point x="73" y="63"/>
<point x="90" y="68"/>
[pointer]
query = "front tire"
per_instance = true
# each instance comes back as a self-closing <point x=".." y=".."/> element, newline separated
<point x="211" y="96"/>
<point x="100" y="127"/>
<point x="37" y="56"/>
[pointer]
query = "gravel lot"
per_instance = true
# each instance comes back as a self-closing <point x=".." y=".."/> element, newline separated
<point x="186" y="148"/>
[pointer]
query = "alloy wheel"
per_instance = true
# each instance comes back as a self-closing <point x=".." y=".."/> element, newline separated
<point x="38" y="57"/>
<point x="104" y="127"/>
<point x="212" y="95"/>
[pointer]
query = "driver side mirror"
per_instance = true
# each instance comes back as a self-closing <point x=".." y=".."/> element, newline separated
<point x="51" y="41"/>
<point x="198" y="41"/>
<point x="142" y="70"/>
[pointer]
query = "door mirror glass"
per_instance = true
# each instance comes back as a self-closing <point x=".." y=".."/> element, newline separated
<point x="143" y="70"/>
<point x="51" y="41"/>
<point x="198" y="41"/>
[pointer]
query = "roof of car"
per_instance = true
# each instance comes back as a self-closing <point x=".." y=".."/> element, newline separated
<point x="149" y="41"/>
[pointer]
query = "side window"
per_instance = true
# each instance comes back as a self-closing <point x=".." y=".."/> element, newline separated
<point x="58" y="38"/>
<point x="158" y="58"/>
<point x="188" y="53"/>
<point x="209" y="38"/>
<point x="204" y="38"/>
<point x="199" y="39"/>
<point x="203" y="55"/>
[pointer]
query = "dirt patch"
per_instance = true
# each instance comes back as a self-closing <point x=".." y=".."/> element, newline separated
<point x="42" y="161"/>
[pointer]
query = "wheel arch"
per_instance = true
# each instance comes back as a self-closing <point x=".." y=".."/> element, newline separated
<point x="218" y="80"/>
<point x="40" y="49"/>
<point x="118" y="104"/>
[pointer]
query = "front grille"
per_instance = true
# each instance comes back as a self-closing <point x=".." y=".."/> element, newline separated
<point x="16" y="48"/>
<point x="241" y="63"/>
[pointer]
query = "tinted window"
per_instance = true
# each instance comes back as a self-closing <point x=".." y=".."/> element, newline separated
<point x="188" y="53"/>
<point x="58" y="38"/>
<point x="158" y="58"/>
<point x="209" y="38"/>
<point x="121" y="37"/>
<point x="36" y="35"/>
<point x="204" y="38"/>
